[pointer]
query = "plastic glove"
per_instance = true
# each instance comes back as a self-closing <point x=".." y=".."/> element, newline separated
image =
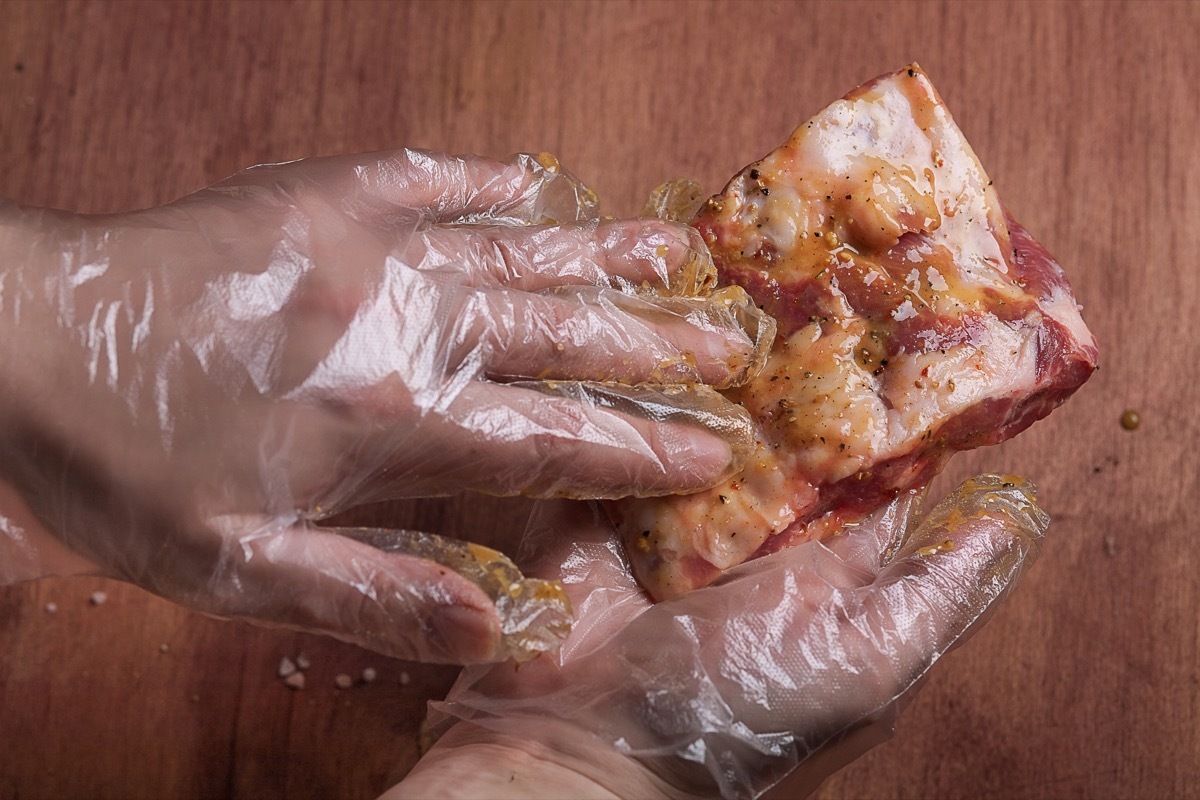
<point x="183" y="390"/>
<point x="798" y="661"/>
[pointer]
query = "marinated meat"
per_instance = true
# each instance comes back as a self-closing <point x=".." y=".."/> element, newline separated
<point x="916" y="318"/>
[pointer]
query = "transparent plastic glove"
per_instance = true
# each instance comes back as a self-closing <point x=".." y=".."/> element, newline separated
<point x="185" y="389"/>
<point x="796" y="662"/>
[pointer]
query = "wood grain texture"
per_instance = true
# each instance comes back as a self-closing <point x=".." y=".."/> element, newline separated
<point x="1085" y="114"/>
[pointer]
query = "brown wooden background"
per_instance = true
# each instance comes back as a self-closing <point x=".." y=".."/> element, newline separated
<point x="1088" y="118"/>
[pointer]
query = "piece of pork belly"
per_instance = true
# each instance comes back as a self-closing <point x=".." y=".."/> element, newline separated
<point x="916" y="318"/>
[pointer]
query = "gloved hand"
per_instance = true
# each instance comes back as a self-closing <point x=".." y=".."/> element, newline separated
<point x="184" y="390"/>
<point x="793" y="663"/>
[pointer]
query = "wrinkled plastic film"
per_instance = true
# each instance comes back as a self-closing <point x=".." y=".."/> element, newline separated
<point x="727" y="308"/>
<point x="985" y="498"/>
<point x="535" y="615"/>
<point x="561" y="197"/>
<point x="302" y="338"/>
<point x="705" y="409"/>
<point x="678" y="200"/>
<point x="734" y="686"/>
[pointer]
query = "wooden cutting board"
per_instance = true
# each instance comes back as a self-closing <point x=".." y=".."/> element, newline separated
<point x="1086" y="116"/>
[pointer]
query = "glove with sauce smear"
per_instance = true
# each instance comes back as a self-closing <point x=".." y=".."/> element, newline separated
<point x="782" y="671"/>
<point x="186" y="390"/>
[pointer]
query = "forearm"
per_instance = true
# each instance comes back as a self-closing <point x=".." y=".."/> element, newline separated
<point x="32" y="292"/>
<point x="473" y="762"/>
<point x="19" y="250"/>
<point x="28" y="380"/>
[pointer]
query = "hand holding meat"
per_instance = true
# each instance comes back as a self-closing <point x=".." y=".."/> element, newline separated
<point x="185" y="390"/>
<point x="801" y="600"/>
<point x="798" y="661"/>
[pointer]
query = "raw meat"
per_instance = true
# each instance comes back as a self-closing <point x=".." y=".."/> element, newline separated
<point x="916" y="318"/>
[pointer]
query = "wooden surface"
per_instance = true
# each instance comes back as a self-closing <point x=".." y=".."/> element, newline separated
<point x="1086" y="116"/>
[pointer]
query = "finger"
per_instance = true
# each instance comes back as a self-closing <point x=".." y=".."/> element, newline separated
<point x="316" y="581"/>
<point x="966" y="554"/>
<point x="452" y="188"/>
<point x="535" y="614"/>
<point x="626" y="254"/>
<point x="567" y="440"/>
<point x="964" y="557"/>
<point x="590" y="334"/>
